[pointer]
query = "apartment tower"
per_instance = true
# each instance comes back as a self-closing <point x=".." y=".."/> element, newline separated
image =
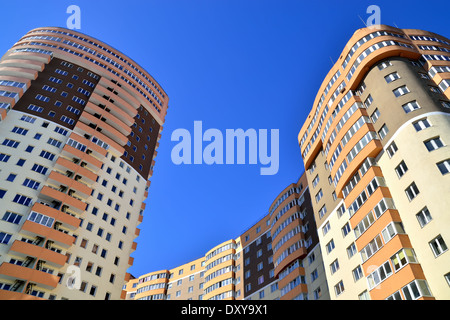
<point x="376" y="155"/>
<point x="278" y="258"/>
<point x="80" y="124"/>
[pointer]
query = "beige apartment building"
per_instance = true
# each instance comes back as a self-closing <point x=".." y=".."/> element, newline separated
<point x="79" y="127"/>
<point x="376" y="151"/>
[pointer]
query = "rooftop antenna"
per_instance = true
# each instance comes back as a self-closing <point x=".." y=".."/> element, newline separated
<point x="396" y="25"/>
<point x="362" y="20"/>
<point x="332" y="62"/>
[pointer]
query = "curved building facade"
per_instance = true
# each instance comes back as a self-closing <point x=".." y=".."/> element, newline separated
<point x="80" y="125"/>
<point x="278" y="258"/>
<point x="375" y="150"/>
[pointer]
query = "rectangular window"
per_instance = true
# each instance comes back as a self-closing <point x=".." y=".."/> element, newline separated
<point x="438" y="246"/>
<point x="444" y="166"/>
<point x="41" y="219"/>
<point x="371" y="248"/>
<point x="339" y="288"/>
<point x="376" y="277"/>
<point x="410" y="106"/>
<point x="31" y="184"/>
<point x="23" y="200"/>
<point x="433" y="144"/>
<point x="4" y="157"/>
<point x="402" y="258"/>
<point x="400" y="91"/>
<point x="384" y="65"/>
<point x="412" y="191"/>
<point x="54" y="142"/>
<point x="11" y="143"/>
<point x="42" y="98"/>
<point x="401" y="169"/>
<point x="20" y="131"/>
<point x="424" y="217"/>
<point x="421" y="124"/>
<point x="12" y="217"/>
<point x="375" y="115"/>
<point x="392" y="77"/>
<point x="383" y="132"/>
<point x="67" y="120"/>
<point x="368" y="101"/>
<point x="4" y="237"/>
<point x="392" y="149"/>
<point x="416" y="289"/>
<point x="47" y="155"/>
<point x="39" y="169"/>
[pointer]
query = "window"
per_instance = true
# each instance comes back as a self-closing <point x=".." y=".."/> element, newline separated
<point x="380" y="274"/>
<point x="330" y="246"/>
<point x="351" y="250"/>
<point x="67" y="120"/>
<point x="392" y="149"/>
<point x="2" y="193"/>
<point x="20" y="131"/>
<point x="47" y="155"/>
<point x="400" y="91"/>
<point x="421" y="124"/>
<point x="31" y="184"/>
<point x="41" y="219"/>
<point x="319" y="195"/>
<point x="383" y="131"/>
<point x="326" y="228"/>
<point x="391" y="230"/>
<point x="322" y="211"/>
<point x="4" y="157"/>
<point x="401" y="169"/>
<point x="444" y="166"/>
<point x="415" y="290"/>
<point x="412" y="191"/>
<point x="334" y="266"/>
<point x="410" y="106"/>
<point x="402" y="258"/>
<point x="339" y="288"/>
<point x="424" y="217"/>
<point x="12" y="217"/>
<point x="23" y="200"/>
<point x="11" y="143"/>
<point x="433" y="144"/>
<point x="391" y="77"/>
<point x="357" y="273"/>
<point x="316" y="181"/>
<point x="438" y="246"/>
<point x="368" y="101"/>
<point x="384" y="65"/>
<point x="375" y="115"/>
<point x="4" y="237"/>
<point x="346" y="229"/>
<point x="371" y="248"/>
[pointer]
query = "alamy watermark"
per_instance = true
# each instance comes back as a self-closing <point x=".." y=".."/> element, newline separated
<point x="223" y="149"/>
<point x="74" y="20"/>
<point x="374" y="20"/>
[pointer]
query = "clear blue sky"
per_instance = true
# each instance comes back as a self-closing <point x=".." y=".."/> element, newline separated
<point x="230" y="64"/>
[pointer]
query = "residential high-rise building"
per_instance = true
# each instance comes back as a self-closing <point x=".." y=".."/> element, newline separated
<point x="80" y="124"/>
<point x="376" y="155"/>
<point x="278" y="258"/>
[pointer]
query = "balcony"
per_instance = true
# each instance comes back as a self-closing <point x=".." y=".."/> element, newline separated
<point x="68" y="221"/>
<point x="57" y="178"/>
<point x="60" y="238"/>
<point x="24" y="249"/>
<point x="63" y="164"/>
<point x="43" y="279"/>
<point x="13" y="295"/>
<point x="76" y="204"/>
